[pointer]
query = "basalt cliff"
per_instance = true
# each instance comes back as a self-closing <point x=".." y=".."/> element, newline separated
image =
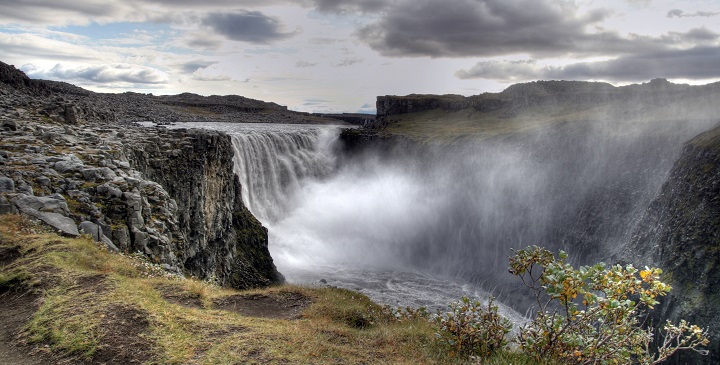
<point x="71" y="158"/>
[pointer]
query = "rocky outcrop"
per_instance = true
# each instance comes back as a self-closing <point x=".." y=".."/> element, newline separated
<point x="67" y="160"/>
<point x="223" y="240"/>
<point x="680" y="232"/>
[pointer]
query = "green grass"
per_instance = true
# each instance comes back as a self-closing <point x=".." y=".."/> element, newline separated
<point x="88" y="294"/>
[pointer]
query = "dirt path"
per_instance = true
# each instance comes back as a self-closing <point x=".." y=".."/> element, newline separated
<point x="15" y="311"/>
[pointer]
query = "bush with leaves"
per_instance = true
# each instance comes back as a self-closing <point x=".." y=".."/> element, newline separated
<point x="403" y="314"/>
<point x="471" y="328"/>
<point x="592" y="315"/>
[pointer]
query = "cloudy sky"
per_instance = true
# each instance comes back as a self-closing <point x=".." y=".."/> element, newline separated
<point x="338" y="55"/>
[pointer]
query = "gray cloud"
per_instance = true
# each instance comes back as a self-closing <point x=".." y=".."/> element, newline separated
<point x="202" y="42"/>
<point x="80" y="12"/>
<point x="246" y="26"/>
<point x="36" y="11"/>
<point x="462" y="28"/>
<point x="507" y="71"/>
<point x="305" y="64"/>
<point x="677" y="13"/>
<point x="349" y="6"/>
<point x="192" y="66"/>
<point x="103" y="74"/>
<point x="697" y="63"/>
<point x="325" y="40"/>
<point x="699" y="35"/>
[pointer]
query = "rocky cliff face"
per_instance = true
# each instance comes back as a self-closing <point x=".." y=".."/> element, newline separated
<point x="679" y="232"/>
<point x="169" y="195"/>
<point x="223" y="240"/>
<point x="390" y="105"/>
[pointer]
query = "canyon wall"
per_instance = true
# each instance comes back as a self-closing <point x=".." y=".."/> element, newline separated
<point x="680" y="232"/>
<point x="169" y="195"/>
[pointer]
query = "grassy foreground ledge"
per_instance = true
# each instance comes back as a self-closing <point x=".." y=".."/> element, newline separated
<point x="73" y="302"/>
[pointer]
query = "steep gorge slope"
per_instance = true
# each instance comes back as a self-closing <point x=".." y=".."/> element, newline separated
<point x="169" y="195"/>
<point x="680" y="232"/>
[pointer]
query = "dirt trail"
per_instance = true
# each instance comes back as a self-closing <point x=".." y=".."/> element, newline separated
<point x="15" y="310"/>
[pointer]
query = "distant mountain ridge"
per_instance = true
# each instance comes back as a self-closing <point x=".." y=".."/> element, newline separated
<point x="185" y="107"/>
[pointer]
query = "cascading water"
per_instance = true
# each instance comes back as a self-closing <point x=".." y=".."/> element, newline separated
<point x="424" y="228"/>
<point x="272" y="164"/>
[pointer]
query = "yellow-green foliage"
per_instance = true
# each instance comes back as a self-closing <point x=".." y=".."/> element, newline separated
<point x="592" y="315"/>
<point x="471" y="328"/>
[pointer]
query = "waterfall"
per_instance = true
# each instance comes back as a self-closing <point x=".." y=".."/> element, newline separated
<point x="453" y="211"/>
<point x="272" y="164"/>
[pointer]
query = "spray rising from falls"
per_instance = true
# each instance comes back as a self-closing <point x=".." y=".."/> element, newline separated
<point x="454" y="211"/>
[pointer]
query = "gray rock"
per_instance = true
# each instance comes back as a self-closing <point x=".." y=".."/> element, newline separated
<point x="6" y="207"/>
<point x="7" y="185"/>
<point x="91" y="174"/>
<point x="43" y="180"/>
<point x="92" y="229"/>
<point x="58" y="221"/>
<point x="109" y="244"/>
<point x="107" y="173"/>
<point x="121" y="236"/>
<point x="67" y="166"/>
<point x="109" y="190"/>
<point x="24" y="187"/>
<point x="42" y="204"/>
<point x="62" y="223"/>
<point x="96" y="233"/>
<point x="71" y="115"/>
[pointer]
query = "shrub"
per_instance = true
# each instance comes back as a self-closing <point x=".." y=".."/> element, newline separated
<point x="591" y="315"/>
<point x="470" y="328"/>
<point x="403" y="314"/>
